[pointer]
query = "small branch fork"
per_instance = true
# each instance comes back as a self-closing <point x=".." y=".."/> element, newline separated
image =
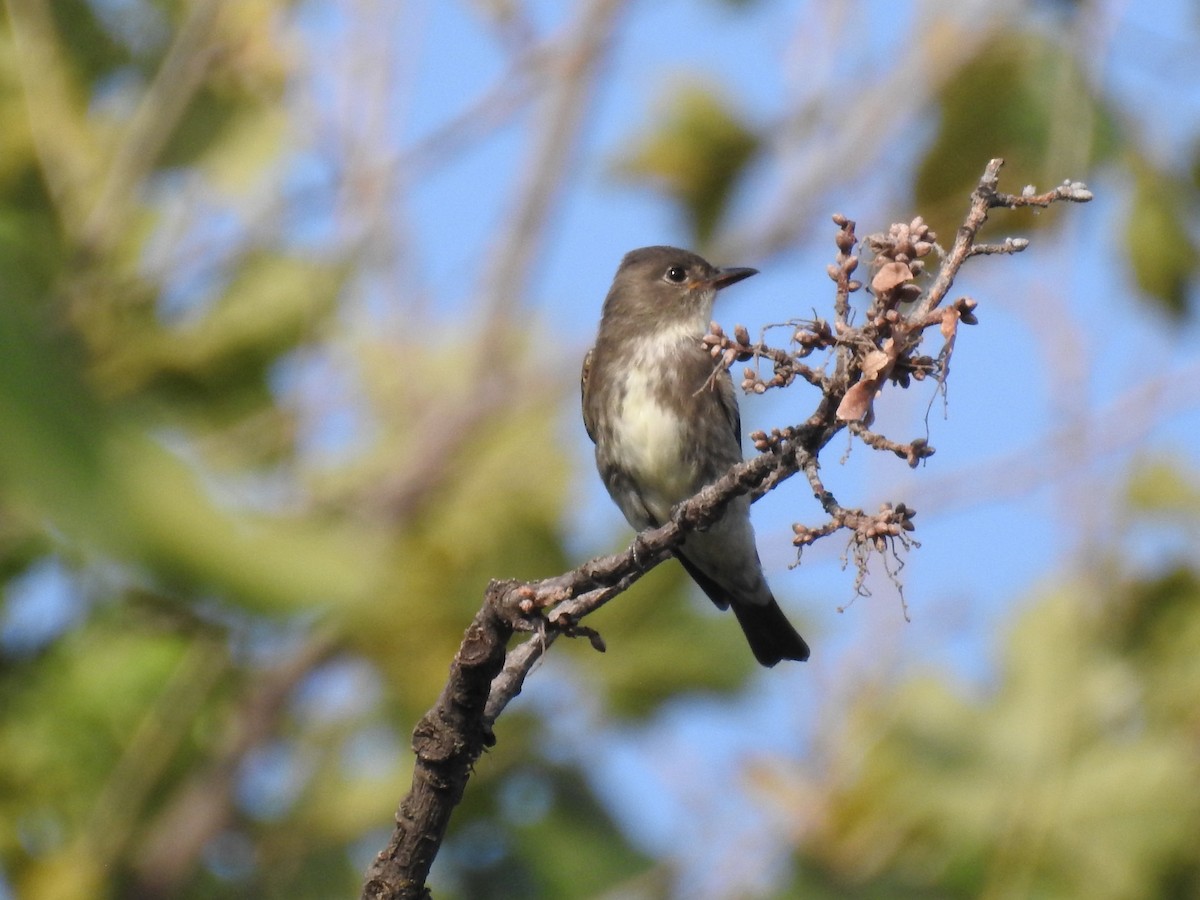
<point x="905" y="302"/>
<point x="861" y="360"/>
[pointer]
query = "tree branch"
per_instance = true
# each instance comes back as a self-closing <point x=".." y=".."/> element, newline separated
<point x="484" y="677"/>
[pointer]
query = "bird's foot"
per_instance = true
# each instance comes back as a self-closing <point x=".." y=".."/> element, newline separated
<point x="639" y="550"/>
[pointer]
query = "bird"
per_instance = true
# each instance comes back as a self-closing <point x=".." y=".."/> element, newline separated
<point x="664" y="426"/>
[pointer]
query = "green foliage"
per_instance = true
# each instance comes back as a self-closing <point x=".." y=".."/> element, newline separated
<point x="522" y="825"/>
<point x="95" y="51"/>
<point x="31" y="247"/>
<point x="1077" y="776"/>
<point x="1161" y="240"/>
<point x="1163" y="489"/>
<point x="90" y="728"/>
<point x="694" y="151"/>
<point x="218" y="365"/>
<point x="141" y="449"/>
<point x="664" y="639"/>
<point x="1023" y="98"/>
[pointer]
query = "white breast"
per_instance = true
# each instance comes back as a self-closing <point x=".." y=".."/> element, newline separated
<point x="651" y="439"/>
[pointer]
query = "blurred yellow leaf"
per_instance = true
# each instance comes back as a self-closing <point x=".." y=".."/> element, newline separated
<point x="1163" y="486"/>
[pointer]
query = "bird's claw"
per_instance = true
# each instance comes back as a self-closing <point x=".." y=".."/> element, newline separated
<point x="638" y="549"/>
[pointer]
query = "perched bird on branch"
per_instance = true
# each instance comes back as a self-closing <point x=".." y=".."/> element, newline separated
<point x="664" y="427"/>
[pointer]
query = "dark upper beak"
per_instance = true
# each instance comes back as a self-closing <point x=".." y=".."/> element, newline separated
<point x="725" y="277"/>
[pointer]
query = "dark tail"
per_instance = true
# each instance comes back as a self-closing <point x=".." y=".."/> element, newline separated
<point x="769" y="633"/>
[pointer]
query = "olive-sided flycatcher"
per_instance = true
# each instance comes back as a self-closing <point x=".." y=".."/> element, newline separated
<point x="664" y="428"/>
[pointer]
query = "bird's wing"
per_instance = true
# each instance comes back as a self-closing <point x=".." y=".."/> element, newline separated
<point x="583" y="392"/>
<point x="727" y="399"/>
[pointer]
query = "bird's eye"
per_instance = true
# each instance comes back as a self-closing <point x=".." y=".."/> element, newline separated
<point x="676" y="274"/>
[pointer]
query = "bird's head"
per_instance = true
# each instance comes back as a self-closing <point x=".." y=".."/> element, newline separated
<point x="662" y="286"/>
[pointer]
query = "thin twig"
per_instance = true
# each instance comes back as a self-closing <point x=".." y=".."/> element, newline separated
<point x="179" y="78"/>
<point x="65" y="151"/>
<point x="578" y="63"/>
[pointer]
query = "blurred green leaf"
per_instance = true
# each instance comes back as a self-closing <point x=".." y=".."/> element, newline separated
<point x="91" y="729"/>
<point x="273" y="303"/>
<point x="521" y="838"/>
<point x="664" y="638"/>
<point x="95" y="52"/>
<point x="268" y="563"/>
<point x="31" y="248"/>
<point x="694" y="150"/>
<point x="114" y="490"/>
<point x="250" y="139"/>
<point x="50" y="427"/>
<point x="1022" y="97"/>
<point x="1162" y="488"/>
<point x="1058" y="782"/>
<point x="1162" y="249"/>
<point x="493" y="514"/>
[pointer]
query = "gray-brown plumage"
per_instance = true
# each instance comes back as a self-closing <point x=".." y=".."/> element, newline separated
<point x="664" y="428"/>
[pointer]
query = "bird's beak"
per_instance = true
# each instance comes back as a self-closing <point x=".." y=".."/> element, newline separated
<point x="725" y="277"/>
